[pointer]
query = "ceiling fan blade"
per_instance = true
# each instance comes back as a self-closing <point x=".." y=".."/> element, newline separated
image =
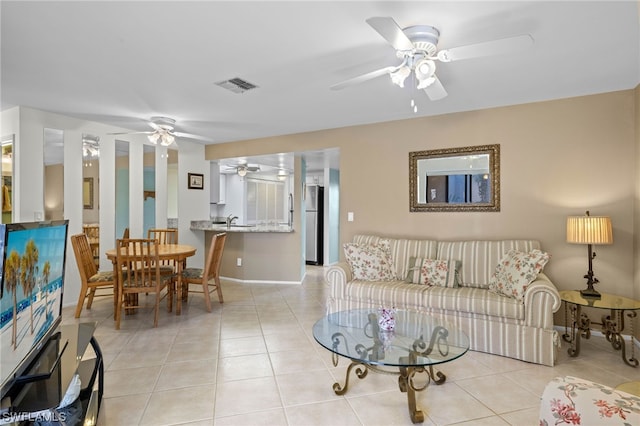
<point x="390" y="31"/>
<point x="154" y="126"/>
<point x="362" y="78"/>
<point x="435" y="91"/>
<point x="131" y="133"/>
<point x="190" y="136"/>
<point x="487" y="48"/>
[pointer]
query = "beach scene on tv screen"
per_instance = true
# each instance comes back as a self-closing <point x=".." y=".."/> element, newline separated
<point x="31" y="291"/>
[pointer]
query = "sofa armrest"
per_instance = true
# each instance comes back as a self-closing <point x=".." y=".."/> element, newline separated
<point x="338" y="276"/>
<point x="339" y="273"/>
<point x="541" y="300"/>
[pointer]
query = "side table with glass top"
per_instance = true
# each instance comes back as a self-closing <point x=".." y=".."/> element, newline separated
<point x="612" y="324"/>
<point x="417" y="344"/>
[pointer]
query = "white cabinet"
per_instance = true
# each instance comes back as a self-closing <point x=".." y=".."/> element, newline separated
<point x="218" y="186"/>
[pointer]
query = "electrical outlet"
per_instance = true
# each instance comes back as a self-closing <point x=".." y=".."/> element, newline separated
<point x="239" y="261"/>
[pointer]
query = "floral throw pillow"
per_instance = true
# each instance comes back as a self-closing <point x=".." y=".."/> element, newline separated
<point x="441" y="273"/>
<point x="516" y="271"/>
<point x="369" y="262"/>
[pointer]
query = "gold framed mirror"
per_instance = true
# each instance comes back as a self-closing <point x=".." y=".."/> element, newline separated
<point x="87" y="192"/>
<point x="463" y="179"/>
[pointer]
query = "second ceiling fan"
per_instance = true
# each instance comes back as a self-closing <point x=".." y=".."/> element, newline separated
<point x="163" y="132"/>
<point x="417" y="47"/>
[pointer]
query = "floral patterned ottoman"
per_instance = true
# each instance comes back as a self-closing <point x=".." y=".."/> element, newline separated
<point x="573" y="401"/>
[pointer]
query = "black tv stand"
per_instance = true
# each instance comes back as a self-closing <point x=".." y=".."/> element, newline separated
<point x="35" y="395"/>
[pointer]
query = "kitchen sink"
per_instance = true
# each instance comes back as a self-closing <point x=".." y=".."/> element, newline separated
<point x="242" y="226"/>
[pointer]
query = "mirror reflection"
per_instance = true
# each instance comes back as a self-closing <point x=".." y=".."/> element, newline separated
<point x="149" y="188"/>
<point x="455" y="179"/>
<point x="53" y="152"/>
<point x="172" y="188"/>
<point x="122" y="187"/>
<point x="7" y="178"/>
<point x="90" y="174"/>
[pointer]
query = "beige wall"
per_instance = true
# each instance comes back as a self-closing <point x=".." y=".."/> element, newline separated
<point x="558" y="158"/>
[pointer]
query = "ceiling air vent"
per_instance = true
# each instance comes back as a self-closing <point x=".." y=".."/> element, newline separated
<point x="236" y="85"/>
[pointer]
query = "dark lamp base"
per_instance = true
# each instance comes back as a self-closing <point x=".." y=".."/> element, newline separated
<point x="590" y="293"/>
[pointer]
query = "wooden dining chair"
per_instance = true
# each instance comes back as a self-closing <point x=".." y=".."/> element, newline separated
<point x="165" y="236"/>
<point x="144" y="277"/>
<point x="90" y="278"/>
<point x="210" y="272"/>
<point x="93" y="235"/>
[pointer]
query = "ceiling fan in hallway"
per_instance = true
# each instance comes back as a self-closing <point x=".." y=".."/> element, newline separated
<point x="417" y="47"/>
<point x="242" y="168"/>
<point x="163" y="132"/>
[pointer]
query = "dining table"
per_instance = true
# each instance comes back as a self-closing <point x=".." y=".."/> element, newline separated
<point x="176" y="252"/>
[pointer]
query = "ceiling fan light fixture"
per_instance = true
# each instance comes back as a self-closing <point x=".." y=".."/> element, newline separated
<point x="167" y="139"/>
<point x="242" y="171"/>
<point x="153" y="138"/>
<point x="425" y="72"/>
<point x="400" y="75"/>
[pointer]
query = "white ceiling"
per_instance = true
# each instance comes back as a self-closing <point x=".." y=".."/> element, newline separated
<point x="121" y="63"/>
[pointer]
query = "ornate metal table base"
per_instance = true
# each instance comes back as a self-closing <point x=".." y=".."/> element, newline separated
<point x="405" y="382"/>
<point x="408" y="368"/>
<point x="612" y="327"/>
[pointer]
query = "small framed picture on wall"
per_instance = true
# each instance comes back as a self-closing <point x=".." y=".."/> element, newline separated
<point x="196" y="181"/>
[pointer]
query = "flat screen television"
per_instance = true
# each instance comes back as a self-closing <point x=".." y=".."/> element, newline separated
<point x="31" y="287"/>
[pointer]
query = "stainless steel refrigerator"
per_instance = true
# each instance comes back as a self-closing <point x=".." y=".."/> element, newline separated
<point x="314" y="211"/>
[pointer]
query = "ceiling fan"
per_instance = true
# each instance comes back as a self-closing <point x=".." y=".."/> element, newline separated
<point x="163" y="132"/>
<point x="243" y="168"/>
<point x="417" y="47"/>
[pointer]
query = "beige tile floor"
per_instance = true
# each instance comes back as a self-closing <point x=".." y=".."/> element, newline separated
<point x="253" y="361"/>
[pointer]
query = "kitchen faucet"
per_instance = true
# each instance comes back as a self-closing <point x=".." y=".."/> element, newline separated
<point x="230" y="220"/>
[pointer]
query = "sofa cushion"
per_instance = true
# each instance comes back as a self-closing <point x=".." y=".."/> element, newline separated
<point x="403" y="295"/>
<point x="516" y="271"/>
<point x="480" y="258"/>
<point x="402" y="250"/>
<point x="388" y="294"/>
<point x="442" y="273"/>
<point x="369" y="262"/>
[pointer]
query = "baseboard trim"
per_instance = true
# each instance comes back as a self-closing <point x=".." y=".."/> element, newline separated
<point x="237" y="280"/>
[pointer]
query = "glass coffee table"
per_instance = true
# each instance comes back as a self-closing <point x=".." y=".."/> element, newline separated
<point x="418" y="343"/>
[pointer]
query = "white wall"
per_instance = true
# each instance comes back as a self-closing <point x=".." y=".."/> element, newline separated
<point x="193" y="204"/>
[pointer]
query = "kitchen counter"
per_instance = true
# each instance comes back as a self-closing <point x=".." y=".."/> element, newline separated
<point x="257" y="254"/>
<point x="208" y="225"/>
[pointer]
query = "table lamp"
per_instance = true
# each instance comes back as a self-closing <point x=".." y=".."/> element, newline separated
<point x="589" y="230"/>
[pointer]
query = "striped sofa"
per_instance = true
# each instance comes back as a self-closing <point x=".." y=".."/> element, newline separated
<point x="495" y="324"/>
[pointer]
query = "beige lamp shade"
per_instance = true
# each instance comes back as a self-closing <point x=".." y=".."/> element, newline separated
<point x="589" y="230"/>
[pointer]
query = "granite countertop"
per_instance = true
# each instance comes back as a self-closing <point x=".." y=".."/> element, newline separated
<point x="209" y="225"/>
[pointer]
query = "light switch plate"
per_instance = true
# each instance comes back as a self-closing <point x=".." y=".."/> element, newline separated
<point x="350" y="217"/>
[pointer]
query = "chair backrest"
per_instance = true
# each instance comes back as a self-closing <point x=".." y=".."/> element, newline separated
<point x="163" y="235"/>
<point x="138" y="260"/>
<point x="84" y="256"/>
<point x="125" y="234"/>
<point x="92" y="231"/>
<point x="214" y="257"/>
